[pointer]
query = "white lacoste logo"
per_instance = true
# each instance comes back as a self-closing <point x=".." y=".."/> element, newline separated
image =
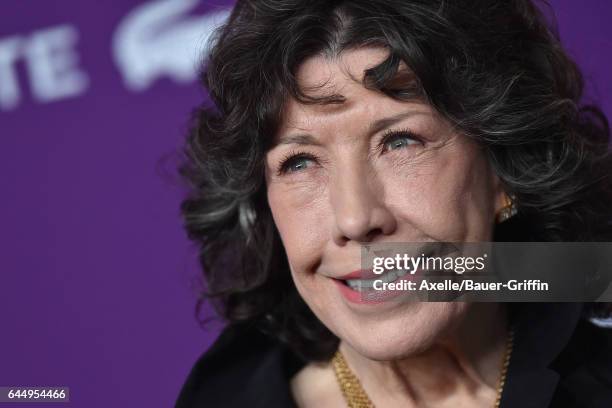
<point x="159" y="38"/>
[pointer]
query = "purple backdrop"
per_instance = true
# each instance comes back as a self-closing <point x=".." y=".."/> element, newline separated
<point x="97" y="289"/>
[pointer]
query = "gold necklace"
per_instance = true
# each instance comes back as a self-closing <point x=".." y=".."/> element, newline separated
<point x="356" y="397"/>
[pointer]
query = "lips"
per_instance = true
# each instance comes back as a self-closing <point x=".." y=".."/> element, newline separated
<point x="359" y="274"/>
<point x="361" y="291"/>
<point x="357" y="286"/>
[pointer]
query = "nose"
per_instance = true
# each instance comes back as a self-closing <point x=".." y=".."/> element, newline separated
<point x="360" y="214"/>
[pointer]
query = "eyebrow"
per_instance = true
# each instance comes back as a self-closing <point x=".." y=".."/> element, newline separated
<point x="375" y="127"/>
<point x="384" y="123"/>
<point x="299" y="139"/>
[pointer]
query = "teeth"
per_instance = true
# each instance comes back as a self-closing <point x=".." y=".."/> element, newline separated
<point x="359" y="284"/>
<point x="402" y="272"/>
<point x="364" y="284"/>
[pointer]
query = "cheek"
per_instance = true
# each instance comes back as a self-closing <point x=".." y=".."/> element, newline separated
<point x="301" y="216"/>
<point x="447" y="195"/>
<point x="302" y="219"/>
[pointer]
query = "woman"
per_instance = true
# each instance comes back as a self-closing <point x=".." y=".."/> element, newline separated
<point x="339" y="123"/>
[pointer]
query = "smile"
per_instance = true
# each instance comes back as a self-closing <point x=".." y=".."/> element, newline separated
<point x="362" y="285"/>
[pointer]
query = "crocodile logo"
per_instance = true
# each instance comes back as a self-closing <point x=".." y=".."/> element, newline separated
<point x="161" y="39"/>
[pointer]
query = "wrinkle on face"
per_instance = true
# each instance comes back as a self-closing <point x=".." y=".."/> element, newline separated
<point x="440" y="190"/>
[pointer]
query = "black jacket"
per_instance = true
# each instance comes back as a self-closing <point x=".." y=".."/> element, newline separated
<point x="559" y="360"/>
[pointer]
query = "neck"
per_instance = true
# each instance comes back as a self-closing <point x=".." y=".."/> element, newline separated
<point x="464" y="364"/>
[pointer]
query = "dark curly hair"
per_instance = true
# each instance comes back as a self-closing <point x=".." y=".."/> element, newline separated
<point x="495" y="69"/>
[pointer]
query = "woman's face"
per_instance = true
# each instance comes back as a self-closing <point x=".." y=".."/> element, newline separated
<point x="372" y="169"/>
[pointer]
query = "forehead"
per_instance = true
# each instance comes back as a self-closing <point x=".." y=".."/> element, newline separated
<point x="349" y="65"/>
<point x="343" y="76"/>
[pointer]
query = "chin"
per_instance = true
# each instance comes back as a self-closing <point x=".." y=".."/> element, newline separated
<point x="410" y="330"/>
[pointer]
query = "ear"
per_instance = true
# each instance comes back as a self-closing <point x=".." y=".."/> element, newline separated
<point x="500" y="197"/>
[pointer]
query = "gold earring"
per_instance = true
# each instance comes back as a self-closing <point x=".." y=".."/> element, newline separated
<point x="508" y="210"/>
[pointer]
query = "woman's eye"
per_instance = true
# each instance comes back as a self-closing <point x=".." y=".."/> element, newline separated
<point x="296" y="163"/>
<point x="398" y="140"/>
